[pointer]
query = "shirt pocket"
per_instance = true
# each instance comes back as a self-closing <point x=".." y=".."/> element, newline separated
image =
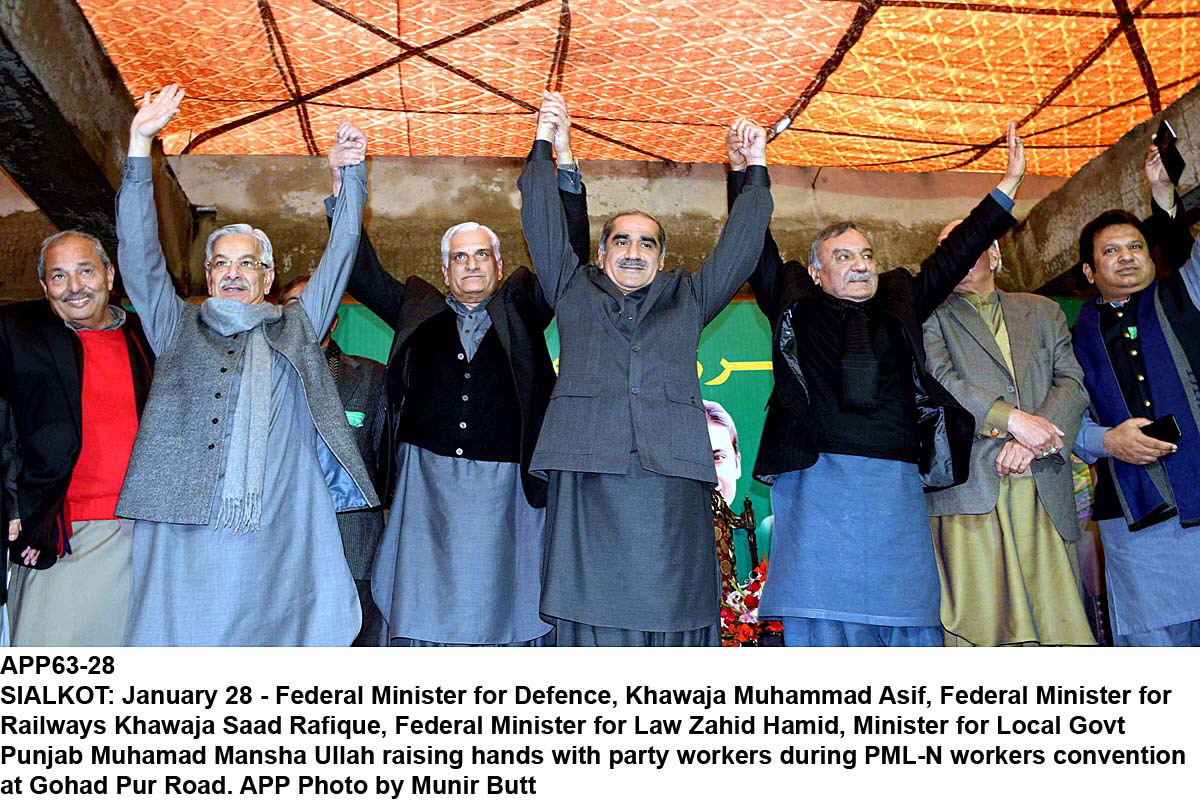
<point x="686" y="422"/>
<point x="573" y="418"/>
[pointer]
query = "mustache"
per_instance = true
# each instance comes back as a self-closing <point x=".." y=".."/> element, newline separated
<point x="78" y="295"/>
<point x="632" y="262"/>
<point x="233" y="282"/>
<point x="858" y="276"/>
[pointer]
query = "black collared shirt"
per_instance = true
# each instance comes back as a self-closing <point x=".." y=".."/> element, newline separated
<point x="624" y="313"/>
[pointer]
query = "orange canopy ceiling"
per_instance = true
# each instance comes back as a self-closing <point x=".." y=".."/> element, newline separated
<point x="905" y="85"/>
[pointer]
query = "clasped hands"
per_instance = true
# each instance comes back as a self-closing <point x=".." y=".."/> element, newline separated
<point x="349" y="147"/>
<point x="1033" y="437"/>
<point x="745" y="140"/>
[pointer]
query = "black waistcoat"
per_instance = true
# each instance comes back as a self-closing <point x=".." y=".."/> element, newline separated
<point x="1183" y="317"/>
<point x="458" y="407"/>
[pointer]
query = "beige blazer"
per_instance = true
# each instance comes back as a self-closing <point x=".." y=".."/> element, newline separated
<point x="962" y="354"/>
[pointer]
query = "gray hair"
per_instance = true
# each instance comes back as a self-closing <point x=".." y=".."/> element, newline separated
<point x="607" y="229"/>
<point x="266" y="253"/>
<point x="468" y="226"/>
<point x="54" y="238"/>
<point x="828" y="233"/>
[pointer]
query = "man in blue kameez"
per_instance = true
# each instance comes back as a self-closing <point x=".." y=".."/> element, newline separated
<point x="856" y="427"/>
<point x="244" y="453"/>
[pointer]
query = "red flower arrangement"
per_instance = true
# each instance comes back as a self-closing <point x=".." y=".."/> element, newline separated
<point x="740" y="626"/>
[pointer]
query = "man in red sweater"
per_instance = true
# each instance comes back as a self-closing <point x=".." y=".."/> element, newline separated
<point x="75" y="372"/>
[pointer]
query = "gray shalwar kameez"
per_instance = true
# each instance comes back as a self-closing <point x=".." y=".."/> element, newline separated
<point x="460" y="558"/>
<point x="600" y="595"/>
<point x="286" y="583"/>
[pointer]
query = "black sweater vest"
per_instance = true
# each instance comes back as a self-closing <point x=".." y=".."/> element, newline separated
<point x="458" y="407"/>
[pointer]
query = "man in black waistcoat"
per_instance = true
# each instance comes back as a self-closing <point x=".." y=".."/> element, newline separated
<point x="468" y="380"/>
<point x="855" y="427"/>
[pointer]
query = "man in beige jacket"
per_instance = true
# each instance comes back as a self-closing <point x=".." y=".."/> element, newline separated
<point x="1005" y="539"/>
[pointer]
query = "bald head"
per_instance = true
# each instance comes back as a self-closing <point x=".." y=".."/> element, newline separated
<point x="981" y="279"/>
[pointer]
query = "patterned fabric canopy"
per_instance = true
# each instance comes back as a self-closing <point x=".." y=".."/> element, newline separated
<point x="903" y="85"/>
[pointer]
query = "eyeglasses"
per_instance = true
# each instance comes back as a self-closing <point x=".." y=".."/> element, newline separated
<point x="225" y="265"/>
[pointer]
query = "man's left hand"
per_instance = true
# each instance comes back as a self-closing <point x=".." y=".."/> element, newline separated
<point x="1161" y="186"/>
<point x="29" y="555"/>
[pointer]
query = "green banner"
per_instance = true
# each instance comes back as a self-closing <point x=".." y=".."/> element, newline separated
<point x="734" y="367"/>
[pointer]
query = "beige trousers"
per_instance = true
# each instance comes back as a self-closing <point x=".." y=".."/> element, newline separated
<point x="81" y="601"/>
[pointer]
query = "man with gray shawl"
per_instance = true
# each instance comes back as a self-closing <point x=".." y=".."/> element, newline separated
<point x="244" y="454"/>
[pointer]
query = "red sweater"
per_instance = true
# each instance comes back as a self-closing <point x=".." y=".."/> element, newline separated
<point x="110" y="422"/>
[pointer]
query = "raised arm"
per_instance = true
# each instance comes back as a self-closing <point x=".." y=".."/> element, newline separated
<point x="139" y="254"/>
<point x="571" y="191"/>
<point x="738" y="250"/>
<point x="370" y="284"/>
<point x="542" y="217"/>
<point x="954" y="256"/>
<point x="1167" y="227"/>
<point x="574" y="203"/>
<point x="323" y="293"/>
<point x="765" y="279"/>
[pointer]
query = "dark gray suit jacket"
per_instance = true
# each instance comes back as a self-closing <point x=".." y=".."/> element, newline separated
<point x="961" y="353"/>
<point x="614" y="394"/>
<point x="360" y="384"/>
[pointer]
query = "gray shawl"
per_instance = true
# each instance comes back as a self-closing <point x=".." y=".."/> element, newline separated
<point x="246" y="460"/>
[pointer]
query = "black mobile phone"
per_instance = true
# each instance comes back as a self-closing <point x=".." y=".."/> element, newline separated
<point x="1164" y="140"/>
<point x="1164" y="428"/>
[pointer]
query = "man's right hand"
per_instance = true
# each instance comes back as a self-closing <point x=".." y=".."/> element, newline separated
<point x="30" y="555"/>
<point x="751" y="139"/>
<point x="1126" y="442"/>
<point x="1035" y="432"/>
<point x="152" y="117"/>
<point x="349" y="148"/>
<point x="1013" y="459"/>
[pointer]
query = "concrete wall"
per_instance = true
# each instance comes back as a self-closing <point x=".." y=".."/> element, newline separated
<point x="22" y="228"/>
<point x="1046" y="242"/>
<point x="412" y="201"/>
<point x="66" y="74"/>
